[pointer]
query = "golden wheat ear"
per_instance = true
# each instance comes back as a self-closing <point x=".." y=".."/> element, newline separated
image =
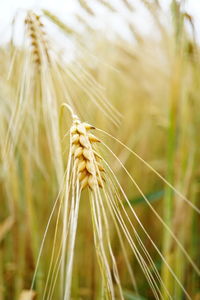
<point x="87" y="169"/>
<point x="84" y="171"/>
<point x="106" y="198"/>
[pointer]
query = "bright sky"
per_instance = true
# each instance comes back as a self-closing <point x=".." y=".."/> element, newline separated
<point x="65" y="8"/>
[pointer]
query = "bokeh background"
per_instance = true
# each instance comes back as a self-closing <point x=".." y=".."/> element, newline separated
<point x="141" y="57"/>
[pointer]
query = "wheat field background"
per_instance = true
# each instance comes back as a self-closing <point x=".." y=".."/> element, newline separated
<point x="100" y="154"/>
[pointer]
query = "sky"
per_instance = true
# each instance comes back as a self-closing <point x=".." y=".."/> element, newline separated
<point x="65" y="8"/>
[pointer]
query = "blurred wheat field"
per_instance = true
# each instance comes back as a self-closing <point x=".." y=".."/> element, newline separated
<point x="100" y="156"/>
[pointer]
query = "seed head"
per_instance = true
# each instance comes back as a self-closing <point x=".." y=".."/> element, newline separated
<point x="88" y="166"/>
<point x="37" y="35"/>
